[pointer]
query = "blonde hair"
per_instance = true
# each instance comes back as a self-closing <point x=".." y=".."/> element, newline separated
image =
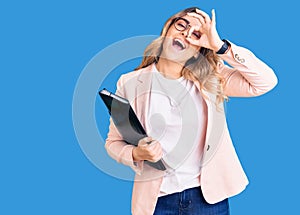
<point x="202" y="69"/>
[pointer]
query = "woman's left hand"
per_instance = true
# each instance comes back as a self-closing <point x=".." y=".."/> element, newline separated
<point x="209" y="36"/>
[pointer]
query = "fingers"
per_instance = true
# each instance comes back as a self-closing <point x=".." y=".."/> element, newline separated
<point x="145" y="141"/>
<point x="191" y="31"/>
<point x="156" y="151"/>
<point x="149" y="149"/>
<point x="205" y="15"/>
<point x="197" y="16"/>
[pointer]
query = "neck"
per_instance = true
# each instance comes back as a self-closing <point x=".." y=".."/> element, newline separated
<point x="169" y="69"/>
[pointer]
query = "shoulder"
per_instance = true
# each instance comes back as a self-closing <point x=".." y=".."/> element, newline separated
<point x="128" y="82"/>
<point x="135" y="75"/>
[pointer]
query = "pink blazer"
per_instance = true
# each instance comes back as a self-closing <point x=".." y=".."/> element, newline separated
<point x="222" y="175"/>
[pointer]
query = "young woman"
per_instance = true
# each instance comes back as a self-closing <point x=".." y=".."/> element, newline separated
<point x="177" y="93"/>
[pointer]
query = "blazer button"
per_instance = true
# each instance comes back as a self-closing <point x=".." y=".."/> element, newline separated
<point x="208" y="147"/>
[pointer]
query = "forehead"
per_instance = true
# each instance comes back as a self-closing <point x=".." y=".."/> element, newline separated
<point x="193" y="21"/>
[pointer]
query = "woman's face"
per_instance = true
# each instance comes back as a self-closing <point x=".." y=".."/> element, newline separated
<point x="175" y="46"/>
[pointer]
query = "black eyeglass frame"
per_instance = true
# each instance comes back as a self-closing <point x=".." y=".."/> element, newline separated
<point x="173" y="22"/>
<point x="185" y="20"/>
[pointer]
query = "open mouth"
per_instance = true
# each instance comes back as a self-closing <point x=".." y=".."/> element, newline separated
<point x="178" y="44"/>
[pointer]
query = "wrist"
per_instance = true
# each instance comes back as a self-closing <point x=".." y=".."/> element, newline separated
<point x="135" y="154"/>
<point x="224" y="48"/>
<point x="216" y="47"/>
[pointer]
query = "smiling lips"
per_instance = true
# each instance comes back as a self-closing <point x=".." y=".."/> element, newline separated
<point x="179" y="44"/>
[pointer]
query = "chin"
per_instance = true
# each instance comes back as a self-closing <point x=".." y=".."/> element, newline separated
<point x="180" y="58"/>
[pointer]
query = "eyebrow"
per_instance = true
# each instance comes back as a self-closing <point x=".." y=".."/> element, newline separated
<point x="187" y="21"/>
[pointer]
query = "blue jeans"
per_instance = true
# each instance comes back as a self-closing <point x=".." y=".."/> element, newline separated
<point x="189" y="202"/>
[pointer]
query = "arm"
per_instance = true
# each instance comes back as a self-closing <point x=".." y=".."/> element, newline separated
<point x="116" y="147"/>
<point x="248" y="76"/>
<point x="127" y="154"/>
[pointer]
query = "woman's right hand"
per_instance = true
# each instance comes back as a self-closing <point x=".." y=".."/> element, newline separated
<point x="144" y="151"/>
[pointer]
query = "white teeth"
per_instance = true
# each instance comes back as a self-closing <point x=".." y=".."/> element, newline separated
<point x="179" y="41"/>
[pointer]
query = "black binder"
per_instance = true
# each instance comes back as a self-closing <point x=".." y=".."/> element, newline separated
<point x="126" y="121"/>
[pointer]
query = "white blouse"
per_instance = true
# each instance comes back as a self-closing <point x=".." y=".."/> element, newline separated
<point x="177" y="119"/>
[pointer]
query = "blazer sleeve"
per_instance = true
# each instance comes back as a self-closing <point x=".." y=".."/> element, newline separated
<point x="116" y="147"/>
<point x="248" y="76"/>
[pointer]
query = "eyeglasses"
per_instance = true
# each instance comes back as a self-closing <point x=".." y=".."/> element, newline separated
<point x="182" y="24"/>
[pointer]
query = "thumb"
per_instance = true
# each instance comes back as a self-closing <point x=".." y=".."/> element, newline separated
<point x="148" y="139"/>
<point x="213" y="16"/>
<point x="145" y="141"/>
<point x="191" y="41"/>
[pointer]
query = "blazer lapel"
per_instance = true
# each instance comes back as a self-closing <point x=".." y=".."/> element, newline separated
<point x="143" y="93"/>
